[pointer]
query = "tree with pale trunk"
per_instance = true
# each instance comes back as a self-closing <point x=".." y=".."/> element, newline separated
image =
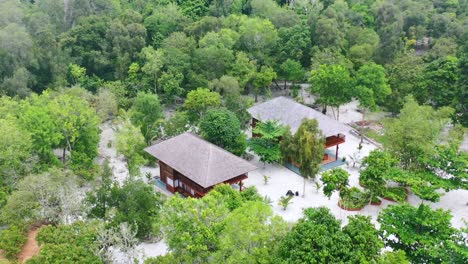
<point x="306" y="148"/>
<point x="153" y="65"/>
<point x="332" y="83"/>
<point x="372" y="88"/>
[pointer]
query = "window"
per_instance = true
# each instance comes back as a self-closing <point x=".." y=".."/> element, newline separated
<point x="170" y="182"/>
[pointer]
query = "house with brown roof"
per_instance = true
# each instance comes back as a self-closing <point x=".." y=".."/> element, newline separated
<point x="290" y="113"/>
<point x="193" y="166"/>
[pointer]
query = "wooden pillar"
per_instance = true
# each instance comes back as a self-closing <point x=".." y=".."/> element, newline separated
<point x="240" y="186"/>
<point x="336" y="155"/>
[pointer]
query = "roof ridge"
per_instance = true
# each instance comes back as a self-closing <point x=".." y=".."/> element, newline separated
<point x="183" y="154"/>
<point x="208" y="166"/>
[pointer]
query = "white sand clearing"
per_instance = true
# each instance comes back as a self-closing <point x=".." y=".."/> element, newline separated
<point x="116" y="161"/>
<point x="282" y="179"/>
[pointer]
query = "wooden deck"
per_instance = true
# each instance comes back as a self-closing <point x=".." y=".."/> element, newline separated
<point x="327" y="159"/>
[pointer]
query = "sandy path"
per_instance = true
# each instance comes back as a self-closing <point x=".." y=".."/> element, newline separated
<point x="116" y="161"/>
<point x="31" y="248"/>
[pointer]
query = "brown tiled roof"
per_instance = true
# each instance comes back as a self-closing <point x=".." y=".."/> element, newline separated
<point x="199" y="160"/>
<point x="289" y="112"/>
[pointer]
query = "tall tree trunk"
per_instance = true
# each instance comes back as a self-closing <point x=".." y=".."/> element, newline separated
<point x="324" y="110"/>
<point x="277" y="85"/>
<point x="338" y="114"/>
<point x="333" y="111"/>
<point x="284" y="84"/>
<point x="63" y="154"/>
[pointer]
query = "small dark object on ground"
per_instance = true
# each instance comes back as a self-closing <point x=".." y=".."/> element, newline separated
<point x="290" y="193"/>
<point x="297" y="193"/>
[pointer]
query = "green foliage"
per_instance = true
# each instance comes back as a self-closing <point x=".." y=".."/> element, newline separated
<point x="199" y="101"/>
<point x="450" y="163"/>
<point x="372" y="85"/>
<point x="16" y="158"/>
<point x="258" y="37"/>
<point x="363" y="43"/>
<point x="177" y="124"/>
<point x="292" y="71"/>
<point x="335" y="180"/>
<point x="257" y="238"/>
<point x="412" y="135"/>
<point x="100" y="200"/>
<point x="395" y="257"/>
<point x="397" y="194"/>
<point x="197" y="230"/>
<point x="52" y="196"/>
<point x="130" y="143"/>
<point x="285" y="201"/>
<point x="422" y="233"/>
<point x="222" y="128"/>
<point x="294" y="42"/>
<point x="377" y="167"/>
<point x="118" y="49"/>
<point x="171" y="84"/>
<point x="76" y="243"/>
<point x="153" y="65"/>
<point x="405" y="76"/>
<point x="106" y="104"/>
<point x="305" y="148"/>
<point x="243" y="69"/>
<point x="266" y="145"/>
<point x="262" y="80"/>
<point x="332" y="83"/>
<point x="354" y="198"/>
<point x="440" y="77"/>
<point x="12" y="240"/>
<point x="364" y="237"/>
<point x="65" y="120"/>
<point x="137" y="204"/>
<point x="163" y="21"/>
<point x="327" y="242"/>
<point x="233" y="100"/>
<point x="146" y="113"/>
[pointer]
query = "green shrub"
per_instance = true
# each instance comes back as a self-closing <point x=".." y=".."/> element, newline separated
<point x="12" y="240"/>
<point x="397" y="194"/>
<point x="375" y="199"/>
<point x="76" y="243"/>
<point x="285" y="201"/>
<point x="354" y="198"/>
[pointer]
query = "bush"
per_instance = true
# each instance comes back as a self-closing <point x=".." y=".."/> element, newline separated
<point x="12" y="240"/>
<point x="354" y="198"/>
<point x="76" y="243"/>
<point x="397" y="194"/>
<point x="375" y="199"/>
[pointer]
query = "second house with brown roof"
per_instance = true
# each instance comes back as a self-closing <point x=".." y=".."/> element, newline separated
<point x="193" y="166"/>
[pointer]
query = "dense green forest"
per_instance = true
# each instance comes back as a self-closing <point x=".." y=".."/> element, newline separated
<point x="158" y="68"/>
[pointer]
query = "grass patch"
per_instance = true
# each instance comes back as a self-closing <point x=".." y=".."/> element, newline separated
<point x="372" y="134"/>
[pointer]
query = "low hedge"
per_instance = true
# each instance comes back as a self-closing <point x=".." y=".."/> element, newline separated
<point x="375" y="200"/>
<point x="12" y="240"/>
<point x="395" y="194"/>
<point x="354" y="198"/>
